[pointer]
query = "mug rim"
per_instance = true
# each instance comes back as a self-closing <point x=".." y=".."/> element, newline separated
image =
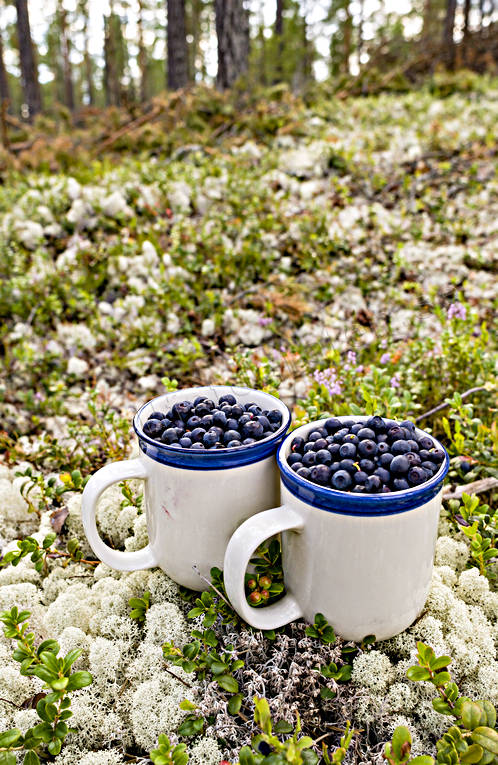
<point x="212" y="458"/>
<point x="351" y="503"/>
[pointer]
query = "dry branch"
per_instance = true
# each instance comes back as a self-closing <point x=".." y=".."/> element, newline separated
<point x="477" y="487"/>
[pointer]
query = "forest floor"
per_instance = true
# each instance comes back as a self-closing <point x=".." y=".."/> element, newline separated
<point x="343" y="256"/>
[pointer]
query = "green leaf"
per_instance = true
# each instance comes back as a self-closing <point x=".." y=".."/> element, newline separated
<point x="441" y="679"/>
<point x="187" y="705"/>
<point x="51" y="646"/>
<point x="282" y="727"/>
<point x="79" y="680"/>
<point x="54" y="746"/>
<point x="194" y="612"/>
<point x="440" y="663"/>
<point x="7" y="758"/>
<point x="326" y="693"/>
<point x="228" y="683"/>
<point x="489" y="711"/>
<point x="442" y="707"/>
<point x="401" y="743"/>
<point x="422" y="759"/>
<point x="472" y="715"/>
<point x="60" y="683"/>
<point x="234" y="704"/>
<point x="487" y="738"/>
<point x="31" y="758"/>
<point x="418" y="673"/>
<point x="328" y="635"/>
<point x="70" y="658"/>
<point x="473" y="754"/>
<point x="246" y="757"/>
<point x="262" y="716"/>
<point x="10" y="738"/>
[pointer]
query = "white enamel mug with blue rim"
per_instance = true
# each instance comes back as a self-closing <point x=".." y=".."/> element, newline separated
<point x="194" y="499"/>
<point x="364" y="561"/>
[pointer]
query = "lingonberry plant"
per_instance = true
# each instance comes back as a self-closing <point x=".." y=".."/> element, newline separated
<point x="479" y="524"/>
<point x="40" y="554"/>
<point x="139" y="607"/>
<point x="46" y="738"/>
<point x="167" y="754"/>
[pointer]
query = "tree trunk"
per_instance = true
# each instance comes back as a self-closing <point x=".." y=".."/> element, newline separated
<point x="142" y="53"/>
<point x="360" y="31"/>
<point x="177" y="45"/>
<point x="66" y="63"/>
<point x="466" y="30"/>
<point x="4" y="81"/>
<point x="448" y="41"/>
<point x="87" y="61"/>
<point x="279" y="34"/>
<point x="111" y="79"/>
<point x="29" y="70"/>
<point x="232" y="31"/>
<point x="348" y="34"/>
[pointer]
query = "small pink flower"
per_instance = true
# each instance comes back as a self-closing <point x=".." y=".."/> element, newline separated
<point x="395" y="381"/>
<point x="385" y="358"/>
<point x="264" y="321"/>
<point x="457" y="311"/>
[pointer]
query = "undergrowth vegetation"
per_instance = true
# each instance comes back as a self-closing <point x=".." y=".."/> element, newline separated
<point x="339" y="254"/>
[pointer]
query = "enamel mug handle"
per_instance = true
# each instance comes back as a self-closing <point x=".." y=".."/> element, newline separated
<point x="98" y="483"/>
<point x="240" y="550"/>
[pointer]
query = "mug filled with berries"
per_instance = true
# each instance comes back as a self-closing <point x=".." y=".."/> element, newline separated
<point x="360" y="502"/>
<point x="207" y="456"/>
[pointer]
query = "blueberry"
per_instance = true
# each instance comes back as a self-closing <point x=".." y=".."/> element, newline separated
<point x="219" y="418"/>
<point x="185" y="442"/>
<point x="252" y="429"/>
<point x="386" y="490"/>
<point x="309" y="446"/>
<point x="210" y="438"/>
<point x="399" y="484"/>
<point x="320" y="444"/>
<point x="226" y="409"/>
<point x="381" y="438"/>
<point x="334" y="467"/>
<point x="424" y="454"/>
<point x="426" y="443"/>
<point x="373" y="484"/>
<point x="347" y="451"/>
<point x="198" y="445"/>
<point x="314" y="435"/>
<point x="385" y="459"/>
<point x="237" y="411"/>
<point x="333" y="424"/>
<point x="245" y="418"/>
<point x="413" y="458"/>
<point x="416" y="476"/>
<point x="297" y="444"/>
<point x="264" y="421"/>
<point x="360" y="477"/>
<point x="367" y="448"/>
<point x="170" y="415"/>
<point x="334" y="449"/>
<point x="207" y="421"/>
<point x="348" y="465"/>
<point x="429" y="468"/>
<point x="304" y="472"/>
<point x="356" y="428"/>
<point x="359" y="489"/>
<point x="383" y="448"/>
<point x="275" y="416"/>
<point x="297" y="466"/>
<point x="350" y="438"/>
<point x="395" y="433"/>
<point x="341" y="480"/>
<point x="179" y="432"/>
<point x="218" y="431"/>
<point x="199" y="399"/>
<point x="234" y="443"/>
<point x="156" y="416"/>
<point x="275" y="427"/>
<point x="320" y="474"/>
<point x="323" y="457"/>
<point x="408" y="425"/>
<point x="400" y="447"/>
<point x="197" y="434"/>
<point x="399" y="465"/>
<point x="194" y="422"/>
<point x="292" y="458"/>
<point x="367" y="465"/>
<point x="376" y="423"/>
<point x="436" y="455"/>
<point x="232" y="424"/>
<point x="182" y="409"/>
<point x="169" y="436"/>
<point x="339" y="435"/>
<point x="230" y="435"/>
<point x="153" y="428"/>
<point x="465" y="466"/>
<point x="309" y="459"/>
<point x="202" y="409"/>
<point x="366" y="433"/>
<point x="413" y="445"/>
<point x="254" y="409"/>
<point x="248" y="441"/>
<point x="227" y="399"/>
<point x="383" y="474"/>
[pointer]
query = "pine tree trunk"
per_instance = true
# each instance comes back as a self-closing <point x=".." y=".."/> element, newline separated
<point x="142" y="53"/>
<point x="29" y="70"/>
<point x="111" y="79"/>
<point x="4" y="82"/>
<point x="66" y="63"/>
<point x="348" y="34"/>
<point x="279" y="34"/>
<point x="448" y="41"/>
<point x="232" y="31"/>
<point x="177" y="45"/>
<point x="466" y="30"/>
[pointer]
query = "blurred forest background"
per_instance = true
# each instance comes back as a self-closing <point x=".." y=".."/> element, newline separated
<point x="82" y="55"/>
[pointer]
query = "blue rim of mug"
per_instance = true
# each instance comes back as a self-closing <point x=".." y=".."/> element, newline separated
<point x="349" y="503"/>
<point x="215" y="459"/>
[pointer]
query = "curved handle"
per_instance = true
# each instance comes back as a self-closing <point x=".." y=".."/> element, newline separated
<point x="98" y="483"/>
<point x="241" y="547"/>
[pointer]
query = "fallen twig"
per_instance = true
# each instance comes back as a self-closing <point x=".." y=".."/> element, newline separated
<point x="147" y="117"/>
<point x="477" y="487"/>
<point x="177" y="678"/>
<point x="446" y="404"/>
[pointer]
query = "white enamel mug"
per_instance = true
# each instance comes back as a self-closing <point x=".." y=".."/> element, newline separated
<point x="364" y="561"/>
<point x="194" y="500"/>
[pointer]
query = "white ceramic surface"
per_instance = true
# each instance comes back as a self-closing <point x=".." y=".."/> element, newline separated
<point x="191" y="513"/>
<point x="368" y="574"/>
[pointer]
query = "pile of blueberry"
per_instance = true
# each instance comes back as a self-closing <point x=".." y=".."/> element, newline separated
<point x="204" y="424"/>
<point x="370" y="457"/>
